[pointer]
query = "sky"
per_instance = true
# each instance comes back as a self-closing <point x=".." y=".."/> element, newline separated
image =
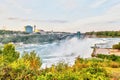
<point x="60" y="15"/>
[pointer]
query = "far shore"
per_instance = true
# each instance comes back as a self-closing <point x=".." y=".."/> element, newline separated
<point x="106" y="51"/>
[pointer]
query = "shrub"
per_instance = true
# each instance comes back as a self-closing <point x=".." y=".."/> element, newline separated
<point x="116" y="46"/>
<point x="35" y="61"/>
<point x="115" y="65"/>
<point x="9" y="53"/>
<point x="42" y="77"/>
<point x="61" y="66"/>
<point x="109" y="57"/>
<point x="94" y="73"/>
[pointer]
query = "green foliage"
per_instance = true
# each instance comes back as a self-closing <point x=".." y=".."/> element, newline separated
<point x="24" y="68"/>
<point x="61" y="66"/>
<point x="9" y="53"/>
<point x="3" y="32"/>
<point x="8" y="73"/>
<point x="116" y="46"/>
<point x="35" y="61"/>
<point x="42" y="77"/>
<point x="94" y="73"/>
<point x="105" y="33"/>
<point x="28" y="66"/>
<point x="109" y="57"/>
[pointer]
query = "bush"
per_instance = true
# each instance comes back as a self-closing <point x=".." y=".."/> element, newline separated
<point x="35" y="61"/>
<point x="15" y="68"/>
<point x="61" y="66"/>
<point x="116" y="46"/>
<point x="115" y="65"/>
<point x="9" y="53"/>
<point x="109" y="57"/>
<point x="94" y="73"/>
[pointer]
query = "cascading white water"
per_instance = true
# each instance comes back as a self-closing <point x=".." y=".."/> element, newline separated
<point x="66" y="50"/>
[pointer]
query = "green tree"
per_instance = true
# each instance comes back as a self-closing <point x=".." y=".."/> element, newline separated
<point x="35" y="61"/>
<point x="9" y="53"/>
<point x="116" y="46"/>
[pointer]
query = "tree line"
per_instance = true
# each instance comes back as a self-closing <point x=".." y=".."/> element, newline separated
<point x="5" y="32"/>
<point x="104" y="33"/>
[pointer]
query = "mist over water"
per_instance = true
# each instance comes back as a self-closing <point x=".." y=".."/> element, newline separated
<point x="65" y="50"/>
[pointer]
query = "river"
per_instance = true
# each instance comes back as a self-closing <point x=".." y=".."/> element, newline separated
<point x="66" y="50"/>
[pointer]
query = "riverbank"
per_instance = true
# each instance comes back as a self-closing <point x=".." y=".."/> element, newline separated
<point x="103" y="34"/>
<point x="106" y="51"/>
<point x="35" y="38"/>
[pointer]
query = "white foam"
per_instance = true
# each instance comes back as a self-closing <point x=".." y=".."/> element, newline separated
<point x="66" y="50"/>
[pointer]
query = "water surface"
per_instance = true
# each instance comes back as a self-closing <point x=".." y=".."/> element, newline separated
<point x="66" y="50"/>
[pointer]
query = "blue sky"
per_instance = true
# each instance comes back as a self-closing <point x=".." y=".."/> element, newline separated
<point x="60" y="15"/>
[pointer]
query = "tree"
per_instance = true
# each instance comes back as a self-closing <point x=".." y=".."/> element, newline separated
<point x="35" y="61"/>
<point x="9" y="53"/>
<point x="116" y="46"/>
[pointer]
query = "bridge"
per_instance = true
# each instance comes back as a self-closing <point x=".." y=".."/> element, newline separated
<point x="69" y="36"/>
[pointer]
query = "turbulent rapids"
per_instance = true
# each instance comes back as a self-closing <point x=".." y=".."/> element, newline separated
<point x="65" y="50"/>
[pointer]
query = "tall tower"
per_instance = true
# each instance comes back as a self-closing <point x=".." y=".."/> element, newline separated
<point x="34" y="28"/>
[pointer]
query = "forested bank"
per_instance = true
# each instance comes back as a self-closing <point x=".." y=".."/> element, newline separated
<point x="32" y="38"/>
<point x="103" y="34"/>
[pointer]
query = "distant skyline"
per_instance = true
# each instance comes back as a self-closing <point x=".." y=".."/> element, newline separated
<point x="60" y="15"/>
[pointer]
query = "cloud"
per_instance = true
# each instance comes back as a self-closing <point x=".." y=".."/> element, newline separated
<point x="13" y="18"/>
<point x="114" y="10"/>
<point x="36" y="20"/>
<point x="18" y="5"/>
<point x="83" y="14"/>
<point x="3" y="9"/>
<point x="68" y="4"/>
<point x="98" y="3"/>
<point x="107" y="21"/>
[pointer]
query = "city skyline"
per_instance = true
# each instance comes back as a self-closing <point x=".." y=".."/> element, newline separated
<point x="61" y="15"/>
